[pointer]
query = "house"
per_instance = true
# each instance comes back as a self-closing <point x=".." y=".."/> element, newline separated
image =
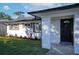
<point x="60" y="25"/>
<point x="28" y="27"/>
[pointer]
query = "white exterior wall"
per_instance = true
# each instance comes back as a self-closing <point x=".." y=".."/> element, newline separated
<point x="76" y="33"/>
<point x="22" y="32"/>
<point x="55" y="30"/>
<point x="46" y="24"/>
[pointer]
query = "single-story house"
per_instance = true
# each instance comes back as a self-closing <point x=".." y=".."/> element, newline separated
<point x="29" y="27"/>
<point x="60" y="24"/>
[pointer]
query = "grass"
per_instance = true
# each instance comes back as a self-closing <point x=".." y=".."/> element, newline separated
<point x="19" y="46"/>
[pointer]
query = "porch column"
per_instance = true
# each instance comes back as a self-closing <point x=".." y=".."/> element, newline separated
<point x="46" y="25"/>
<point x="76" y="33"/>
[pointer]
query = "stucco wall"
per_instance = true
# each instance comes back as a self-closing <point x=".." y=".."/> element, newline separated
<point x="46" y="24"/>
<point x="76" y="33"/>
<point x="55" y="30"/>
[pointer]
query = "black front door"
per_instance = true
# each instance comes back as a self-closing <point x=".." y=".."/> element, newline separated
<point x="67" y="30"/>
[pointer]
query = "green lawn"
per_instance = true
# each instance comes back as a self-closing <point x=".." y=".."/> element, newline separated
<point x="19" y="46"/>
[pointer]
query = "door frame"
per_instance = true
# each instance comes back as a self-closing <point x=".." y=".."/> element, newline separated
<point x="72" y="29"/>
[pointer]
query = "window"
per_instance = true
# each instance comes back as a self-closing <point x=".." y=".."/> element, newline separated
<point x="27" y="25"/>
<point x="66" y="21"/>
<point x="37" y="27"/>
<point x="33" y="26"/>
<point x="14" y="27"/>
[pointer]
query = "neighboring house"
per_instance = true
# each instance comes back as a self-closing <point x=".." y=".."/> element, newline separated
<point x="28" y="27"/>
<point x="3" y="27"/>
<point x="59" y="25"/>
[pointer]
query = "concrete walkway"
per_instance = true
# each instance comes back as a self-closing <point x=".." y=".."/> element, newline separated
<point x="61" y="49"/>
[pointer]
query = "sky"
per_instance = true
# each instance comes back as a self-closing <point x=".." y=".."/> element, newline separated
<point x="10" y="8"/>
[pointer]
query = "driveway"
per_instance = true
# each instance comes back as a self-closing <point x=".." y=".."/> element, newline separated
<point x="61" y="49"/>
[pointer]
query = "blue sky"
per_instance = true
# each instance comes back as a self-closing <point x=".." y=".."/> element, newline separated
<point x="10" y="8"/>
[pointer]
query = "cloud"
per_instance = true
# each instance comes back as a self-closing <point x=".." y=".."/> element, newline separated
<point x="14" y="16"/>
<point x="40" y="6"/>
<point x="6" y="7"/>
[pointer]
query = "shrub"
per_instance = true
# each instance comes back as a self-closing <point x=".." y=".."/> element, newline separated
<point x="24" y="37"/>
<point x="16" y="35"/>
<point x="10" y="35"/>
<point x="20" y="36"/>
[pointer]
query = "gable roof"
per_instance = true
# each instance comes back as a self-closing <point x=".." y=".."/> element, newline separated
<point x="56" y="9"/>
<point x="22" y="17"/>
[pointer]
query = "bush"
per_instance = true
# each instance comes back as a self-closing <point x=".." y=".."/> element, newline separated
<point x="24" y="37"/>
<point x="20" y="36"/>
<point x="37" y="38"/>
<point x="10" y="35"/>
<point x="16" y="35"/>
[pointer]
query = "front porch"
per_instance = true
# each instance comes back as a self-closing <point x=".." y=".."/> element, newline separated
<point x="60" y="38"/>
<point x="62" y="41"/>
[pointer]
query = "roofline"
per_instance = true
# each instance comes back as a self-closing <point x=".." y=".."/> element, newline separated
<point x="56" y="9"/>
<point x="23" y="21"/>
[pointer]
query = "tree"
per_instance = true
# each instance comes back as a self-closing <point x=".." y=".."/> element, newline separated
<point x="18" y="13"/>
<point x="2" y="15"/>
<point x="8" y="17"/>
<point x="5" y="16"/>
